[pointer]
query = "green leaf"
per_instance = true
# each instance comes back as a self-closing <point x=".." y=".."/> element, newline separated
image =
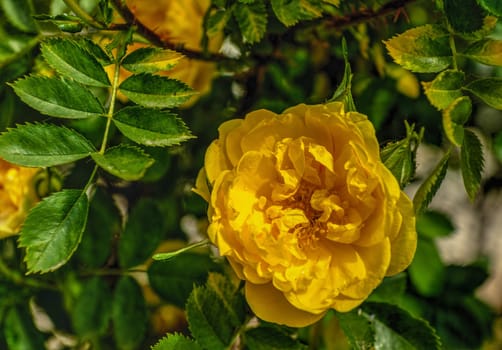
<point x="464" y="16"/>
<point x="124" y="161"/>
<point x="252" y="21"/>
<point x="95" y="50"/>
<point x="427" y="271"/>
<point x="454" y="117"/>
<point x="397" y="329"/>
<point x="129" y="314"/>
<point x="53" y="230"/>
<point x="423" y="49"/>
<point x="231" y="295"/>
<point x="486" y="51"/>
<point x="103" y="224"/>
<point x="58" y="98"/>
<point x="471" y="163"/>
<point x="399" y="157"/>
<point x="133" y="248"/>
<point x="217" y="21"/>
<point x="390" y="290"/>
<point x="75" y="62"/>
<point x="489" y="90"/>
<point x="173" y="279"/>
<point x="445" y="88"/>
<point x="269" y="338"/>
<point x="497" y="146"/>
<point x="207" y="319"/>
<point x="429" y="187"/>
<point x="19" y="331"/>
<point x="358" y="329"/>
<point x="19" y="13"/>
<point x="92" y="309"/>
<point x="151" y="60"/>
<point x="289" y="12"/>
<point x="492" y="6"/>
<point x="433" y="224"/>
<point x="176" y="342"/>
<point x="43" y="145"/>
<point x="155" y="91"/>
<point x="151" y="127"/>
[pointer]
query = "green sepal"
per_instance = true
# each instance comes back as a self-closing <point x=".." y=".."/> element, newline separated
<point x="486" y="51"/>
<point x="151" y="127"/>
<point x="471" y="163"/>
<point x="73" y="61"/>
<point x="489" y="90"/>
<point x="176" y="342"/>
<point x="399" y="157"/>
<point x="58" y="98"/>
<point x="43" y="145"/>
<point x="129" y="313"/>
<point x="429" y="187"/>
<point x="423" y="49"/>
<point x="445" y="88"/>
<point x="252" y="20"/>
<point x="156" y="91"/>
<point x="53" y="229"/>
<point x="126" y="162"/>
<point x="133" y="248"/>
<point x="151" y="60"/>
<point x="343" y="92"/>
<point x="91" y="312"/>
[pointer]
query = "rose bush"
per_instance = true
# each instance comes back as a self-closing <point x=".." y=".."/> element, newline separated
<point x="17" y="196"/>
<point x="305" y="211"/>
<point x="178" y="22"/>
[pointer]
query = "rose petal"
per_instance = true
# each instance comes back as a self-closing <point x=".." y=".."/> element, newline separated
<point x="270" y="305"/>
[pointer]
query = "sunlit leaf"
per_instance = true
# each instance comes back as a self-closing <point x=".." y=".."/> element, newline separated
<point x="471" y="163"/>
<point x="75" y="62"/>
<point x="429" y="187"/>
<point x="454" y="117"/>
<point x="489" y="90"/>
<point x="150" y="60"/>
<point x="464" y="16"/>
<point x="445" y="88"/>
<point x="290" y="12"/>
<point x="176" y="342"/>
<point x="53" y="230"/>
<point x="487" y="51"/>
<point x="252" y="21"/>
<point x="41" y="145"/>
<point x="151" y="127"/>
<point x="423" y="49"/>
<point x="58" y="98"/>
<point x="124" y="161"/>
<point x="155" y="91"/>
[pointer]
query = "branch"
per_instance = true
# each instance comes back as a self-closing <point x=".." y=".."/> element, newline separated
<point x="336" y="23"/>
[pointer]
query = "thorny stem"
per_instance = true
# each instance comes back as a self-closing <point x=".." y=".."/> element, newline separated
<point x="84" y="16"/>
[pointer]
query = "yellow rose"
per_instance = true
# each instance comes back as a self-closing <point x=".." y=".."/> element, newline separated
<point x="305" y="211"/>
<point x="17" y="196"/>
<point x="178" y="22"/>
